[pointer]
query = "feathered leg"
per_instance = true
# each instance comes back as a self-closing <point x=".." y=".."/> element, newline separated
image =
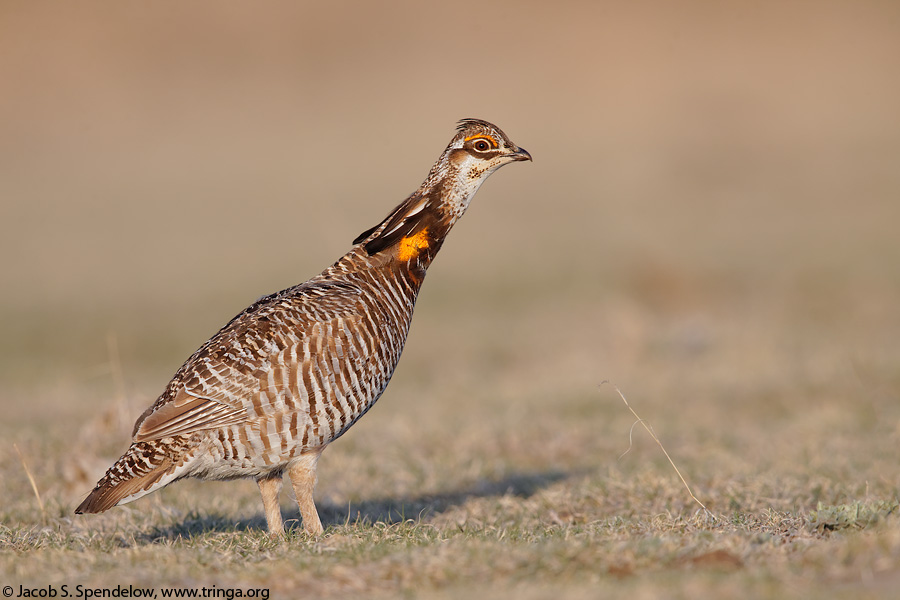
<point x="270" y="488"/>
<point x="303" y="477"/>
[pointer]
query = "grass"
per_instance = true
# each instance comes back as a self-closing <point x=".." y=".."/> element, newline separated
<point x="558" y="536"/>
<point x="494" y="463"/>
<point x="500" y="492"/>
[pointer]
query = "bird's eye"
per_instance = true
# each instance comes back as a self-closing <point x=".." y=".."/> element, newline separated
<point x="481" y="143"/>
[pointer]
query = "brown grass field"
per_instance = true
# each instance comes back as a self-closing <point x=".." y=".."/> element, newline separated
<point x="710" y="223"/>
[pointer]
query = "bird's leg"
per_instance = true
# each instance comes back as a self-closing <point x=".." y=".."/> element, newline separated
<point x="270" y="487"/>
<point x="303" y="477"/>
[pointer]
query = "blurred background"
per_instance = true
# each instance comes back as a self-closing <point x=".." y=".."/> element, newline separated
<point x="710" y="220"/>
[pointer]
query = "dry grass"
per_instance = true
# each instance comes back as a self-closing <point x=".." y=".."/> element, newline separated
<point x="710" y="223"/>
<point x="502" y="491"/>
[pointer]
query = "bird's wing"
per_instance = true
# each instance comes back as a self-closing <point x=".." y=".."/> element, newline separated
<point x="200" y="404"/>
<point x="216" y="388"/>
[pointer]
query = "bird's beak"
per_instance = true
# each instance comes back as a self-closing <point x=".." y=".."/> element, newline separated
<point x="520" y="154"/>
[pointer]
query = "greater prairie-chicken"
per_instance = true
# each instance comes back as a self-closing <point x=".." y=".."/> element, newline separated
<point x="292" y="372"/>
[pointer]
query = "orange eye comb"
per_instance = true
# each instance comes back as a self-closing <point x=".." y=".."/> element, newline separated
<point x="486" y="138"/>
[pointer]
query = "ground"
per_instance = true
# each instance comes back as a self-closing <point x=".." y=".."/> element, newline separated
<point x="500" y="466"/>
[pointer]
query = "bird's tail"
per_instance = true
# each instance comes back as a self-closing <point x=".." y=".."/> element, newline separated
<point x="144" y="468"/>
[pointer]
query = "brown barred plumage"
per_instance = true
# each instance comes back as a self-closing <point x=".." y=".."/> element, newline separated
<point x="291" y="373"/>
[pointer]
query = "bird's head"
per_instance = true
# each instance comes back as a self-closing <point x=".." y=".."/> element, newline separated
<point x="478" y="149"/>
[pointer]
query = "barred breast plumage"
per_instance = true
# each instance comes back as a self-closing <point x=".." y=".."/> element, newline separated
<point x="292" y="372"/>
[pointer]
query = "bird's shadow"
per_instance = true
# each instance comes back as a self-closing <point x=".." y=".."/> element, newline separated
<point x="377" y="510"/>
